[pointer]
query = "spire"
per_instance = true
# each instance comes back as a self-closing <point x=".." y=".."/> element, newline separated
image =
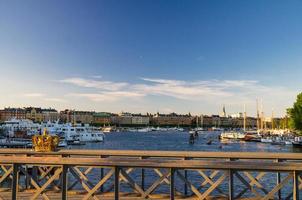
<point x="223" y="114"/>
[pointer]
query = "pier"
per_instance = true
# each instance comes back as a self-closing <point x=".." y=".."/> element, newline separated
<point x="121" y="174"/>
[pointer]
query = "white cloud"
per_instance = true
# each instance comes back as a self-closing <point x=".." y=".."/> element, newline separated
<point x="34" y="95"/>
<point x="59" y="100"/>
<point x="208" y="92"/>
<point x="89" y="83"/>
<point x="107" y="96"/>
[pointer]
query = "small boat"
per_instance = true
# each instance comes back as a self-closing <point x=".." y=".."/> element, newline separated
<point x="266" y="140"/>
<point x="297" y="142"/>
<point x="62" y="144"/>
<point x="107" y="129"/>
<point x="232" y="135"/>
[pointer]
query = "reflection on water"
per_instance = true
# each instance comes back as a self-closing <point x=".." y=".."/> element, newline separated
<point x="179" y="141"/>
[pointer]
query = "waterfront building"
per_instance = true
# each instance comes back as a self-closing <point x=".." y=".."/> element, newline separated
<point x="74" y="116"/>
<point x="102" y="118"/>
<point x="50" y="114"/>
<point x="123" y="119"/>
<point x="206" y="121"/>
<point x="9" y="113"/>
<point x="41" y="114"/>
<point x="34" y="114"/>
<point x="139" y="119"/>
<point x="172" y="119"/>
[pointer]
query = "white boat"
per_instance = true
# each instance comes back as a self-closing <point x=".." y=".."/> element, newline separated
<point x="232" y="135"/>
<point x="11" y="127"/>
<point x="70" y="135"/>
<point x="144" y="130"/>
<point x="107" y="129"/>
<point x="62" y="143"/>
<point x="266" y="140"/>
<point x="90" y="134"/>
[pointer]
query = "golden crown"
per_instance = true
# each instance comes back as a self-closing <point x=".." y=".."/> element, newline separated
<point x="45" y="142"/>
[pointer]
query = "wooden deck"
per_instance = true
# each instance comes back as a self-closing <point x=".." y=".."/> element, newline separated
<point x="69" y="173"/>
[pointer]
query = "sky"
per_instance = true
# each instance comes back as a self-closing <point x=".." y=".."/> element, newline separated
<point x="151" y="55"/>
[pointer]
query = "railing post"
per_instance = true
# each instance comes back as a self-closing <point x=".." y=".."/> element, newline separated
<point x="116" y="182"/>
<point x="15" y="181"/>
<point x="296" y="186"/>
<point x="102" y="176"/>
<point x="64" y="182"/>
<point x="278" y="182"/>
<point x="186" y="185"/>
<point x="143" y="177"/>
<point x="231" y="185"/>
<point x="172" y="186"/>
<point x="34" y="173"/>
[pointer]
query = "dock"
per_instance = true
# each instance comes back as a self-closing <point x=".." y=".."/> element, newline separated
<point x="121" y="174"/>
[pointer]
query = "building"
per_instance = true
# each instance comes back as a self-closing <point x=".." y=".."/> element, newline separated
<point x="102" y="118"/>
<point x="123" y="119"/>
<point x="34" y="114"/>
<point x="73" y="116"/>
<point x="139" y="119"/>
<point x="172" y="119"/>
<point x="9" y="113"/>
<point x="50" y="114"/>
<point x="41" y="114"/>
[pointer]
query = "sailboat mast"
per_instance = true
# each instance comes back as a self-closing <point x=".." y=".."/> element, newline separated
<point x="258" y="124"/>
<point x="273" y="125"/>
<point x="244" y="119"/>
<point x="262" y="116"/>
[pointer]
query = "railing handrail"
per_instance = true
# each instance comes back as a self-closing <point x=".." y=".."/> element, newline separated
<point x="158" y="154"/>
<point x="153" y="163"/>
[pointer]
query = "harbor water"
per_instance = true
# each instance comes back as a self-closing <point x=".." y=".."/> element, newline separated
<point x="179" y="141"/>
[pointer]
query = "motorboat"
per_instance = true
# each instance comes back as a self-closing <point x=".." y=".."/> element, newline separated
<point x="90" y="134"/>
<point x="232" y="135"/>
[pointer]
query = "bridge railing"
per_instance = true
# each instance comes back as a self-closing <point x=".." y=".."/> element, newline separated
<point x="99" y="174"/>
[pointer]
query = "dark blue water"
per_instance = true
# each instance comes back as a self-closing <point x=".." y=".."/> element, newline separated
<point x="179" y="141"/>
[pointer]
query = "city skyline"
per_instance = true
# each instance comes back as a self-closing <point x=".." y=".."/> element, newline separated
<point x="151" y="56"/>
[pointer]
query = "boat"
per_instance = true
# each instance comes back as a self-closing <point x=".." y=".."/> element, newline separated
<point x="232" y="135"/>
<point x="70" y="135"/>
<point x="266" y="140"/>
<point x="89" y="134"/>
<point x="297" y="142"/>
<point x="209" y="142"/>
<point x="19" y="127"/>
<point x="107" y="129"/>
<point x="144" y="130"/>
<point x="15" y="143"/>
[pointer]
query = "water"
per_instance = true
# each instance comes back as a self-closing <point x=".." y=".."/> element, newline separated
<point x="179" y="141"/>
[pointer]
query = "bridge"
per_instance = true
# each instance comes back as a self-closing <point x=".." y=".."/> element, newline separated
<point x="123" y="174"/>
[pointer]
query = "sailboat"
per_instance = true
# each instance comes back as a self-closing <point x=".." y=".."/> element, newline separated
<point x="238" y="135"/>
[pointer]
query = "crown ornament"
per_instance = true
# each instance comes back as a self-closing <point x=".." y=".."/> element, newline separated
<point x="45" y="142"/>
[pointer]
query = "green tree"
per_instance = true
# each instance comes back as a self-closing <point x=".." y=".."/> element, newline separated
<point x="295" y="114"/>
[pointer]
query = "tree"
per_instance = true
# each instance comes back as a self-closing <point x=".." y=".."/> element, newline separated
<point x="295" y="114"/>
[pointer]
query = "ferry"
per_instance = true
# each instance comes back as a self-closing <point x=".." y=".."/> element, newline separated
<point x="297" y="142"/>
<point x="81" y="134"/>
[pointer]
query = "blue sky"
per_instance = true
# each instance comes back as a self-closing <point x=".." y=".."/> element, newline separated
<point x="149" y="56"/>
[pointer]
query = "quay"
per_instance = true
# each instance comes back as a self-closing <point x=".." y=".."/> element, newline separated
<point x="124" y="174"/>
